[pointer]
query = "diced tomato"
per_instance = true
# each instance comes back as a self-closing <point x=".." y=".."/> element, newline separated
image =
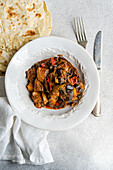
<point x="43" y="65"/>
<point x="73" y="80"/>
<point x="49" y="84"/>
<point x="57" y="104"/>
<point x="53" y="61"/>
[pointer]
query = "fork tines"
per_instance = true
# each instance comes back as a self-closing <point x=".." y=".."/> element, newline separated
<point x="80" y="31"/>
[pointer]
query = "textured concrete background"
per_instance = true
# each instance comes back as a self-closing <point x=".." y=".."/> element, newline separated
<point x="89" y="146"/>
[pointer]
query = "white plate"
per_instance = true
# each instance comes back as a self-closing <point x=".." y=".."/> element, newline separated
<point x="15" y="84"/>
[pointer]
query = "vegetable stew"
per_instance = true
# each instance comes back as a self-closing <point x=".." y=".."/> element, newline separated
<point x="54" y="83"/>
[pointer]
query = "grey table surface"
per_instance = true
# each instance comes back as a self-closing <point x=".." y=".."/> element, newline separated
<point x="88" y="146"/>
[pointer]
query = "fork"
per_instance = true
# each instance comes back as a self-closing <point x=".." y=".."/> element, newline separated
<point x="80" y="32"/>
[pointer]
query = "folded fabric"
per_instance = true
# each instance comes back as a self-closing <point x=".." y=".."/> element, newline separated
<point x="20" y="142"/>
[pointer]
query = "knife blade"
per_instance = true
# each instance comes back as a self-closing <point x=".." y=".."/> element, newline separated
<point x="98" y="61"/>
<point x="98" y="50"/>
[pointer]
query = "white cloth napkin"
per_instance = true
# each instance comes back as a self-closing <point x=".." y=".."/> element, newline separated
<point x="20" y="142"/>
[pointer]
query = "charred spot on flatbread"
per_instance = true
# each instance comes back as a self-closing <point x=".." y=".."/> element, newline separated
<point x="38" y="15"/>
<point x="29" y="33"/>
<point x="10" y="13"/>
<point x="31" y="8"/>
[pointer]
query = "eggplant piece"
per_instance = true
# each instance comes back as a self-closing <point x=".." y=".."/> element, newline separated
<point x="80" y="90"/>
<point x="79" y="96"/>
<point x="63" y="94"/>
<point x="46" y="86"/>
<point x="63" y="66"/>
<point x="51" y="69"/>
<point x="61" y="80"/>
<point x="71" y="95"/>
<point x="48" y="64"/>
<point x="76" y="85"/>
<point x="52" y="79"/>
<point x="42" y="73"/>
<point x="62" y="61"/>
<point x="75" y="101"/>
<point x="56" y="58"/>
<point x="48" y="95"/>
<point x="71" y="71"/>
<point x="79" y="86"/>
<point x="37" y="65"/>
<point x="31" y="73"/>
<point x="69" y="88"/>
<point x="59" y="72"/>
<point x="61" y="91"/>
<point x="67" y="74"/>
<point x="58" y="87"/>
<point x="64" y="97"/>
<point x="38" y="86"/>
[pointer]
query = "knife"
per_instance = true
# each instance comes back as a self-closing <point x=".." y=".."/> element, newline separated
<point x="97" y="56"/>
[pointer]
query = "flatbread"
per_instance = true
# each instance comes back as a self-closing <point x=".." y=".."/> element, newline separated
<point x="20" y="22"/>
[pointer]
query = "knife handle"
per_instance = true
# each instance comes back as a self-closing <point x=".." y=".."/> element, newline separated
<point x="97" y="109"/>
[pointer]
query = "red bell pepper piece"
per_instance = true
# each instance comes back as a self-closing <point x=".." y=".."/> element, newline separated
<point x="57" y="104"/>
<point x="53" y="61"/>
<point x="49" y="83"/>
<point x="43" y="65"/>
<point x="73" y="80"/>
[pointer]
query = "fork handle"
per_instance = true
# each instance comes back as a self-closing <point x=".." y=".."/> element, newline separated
<point x="97" y="109"/>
